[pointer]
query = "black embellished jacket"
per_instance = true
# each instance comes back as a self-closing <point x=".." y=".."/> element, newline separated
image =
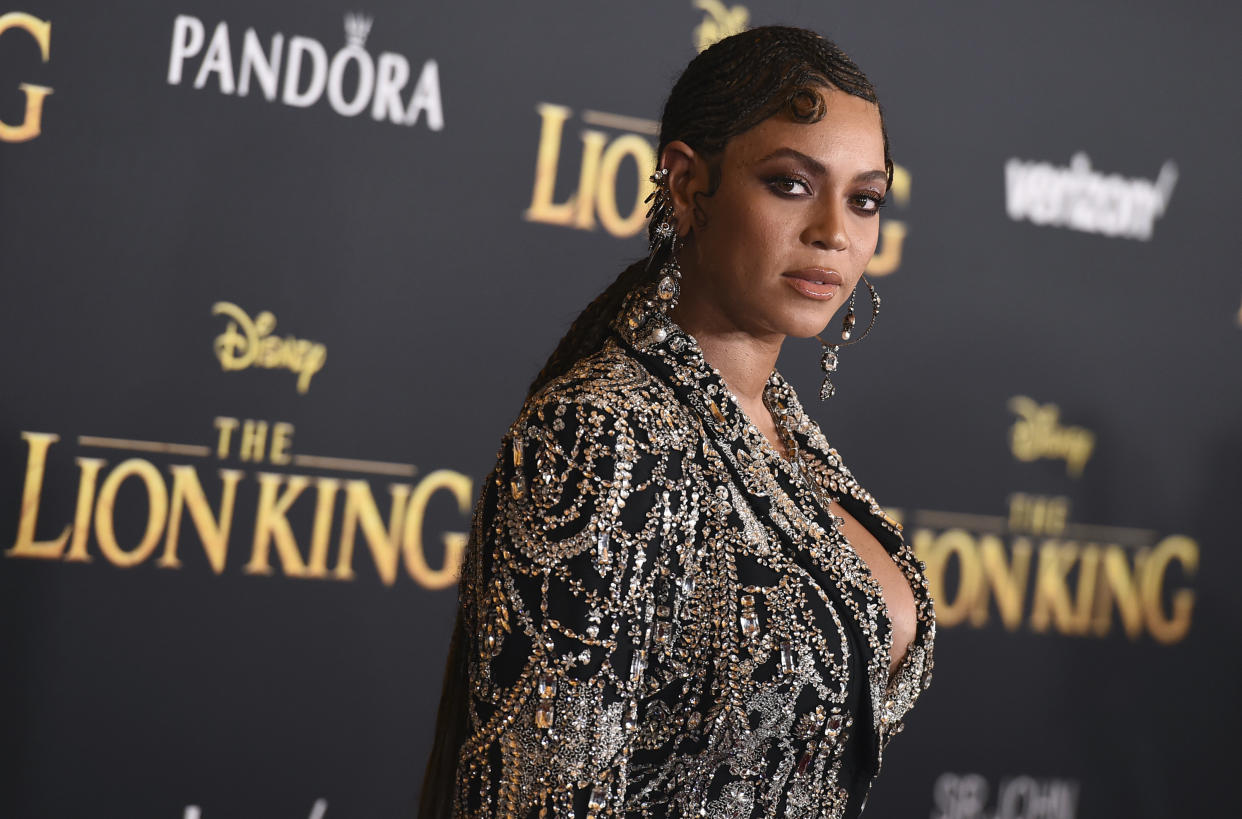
<point x="663" y="617"/>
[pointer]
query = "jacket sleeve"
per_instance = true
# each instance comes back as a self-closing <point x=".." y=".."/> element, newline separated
<point x="577" y="553"/>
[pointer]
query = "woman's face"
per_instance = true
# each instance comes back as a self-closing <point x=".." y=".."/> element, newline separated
<point x="781" y="244"/>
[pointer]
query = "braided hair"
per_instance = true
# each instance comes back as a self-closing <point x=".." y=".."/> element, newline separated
<point x="726" y="90"/>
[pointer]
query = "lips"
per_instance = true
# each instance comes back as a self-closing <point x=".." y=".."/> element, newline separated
<point x="815" y="282"/>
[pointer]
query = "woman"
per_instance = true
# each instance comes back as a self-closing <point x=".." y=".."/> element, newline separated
<point x="676" y="600"/>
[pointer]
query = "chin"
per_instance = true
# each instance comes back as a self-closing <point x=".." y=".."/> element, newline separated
<point x="802" y="331"/>
<point x="807" y="326"/>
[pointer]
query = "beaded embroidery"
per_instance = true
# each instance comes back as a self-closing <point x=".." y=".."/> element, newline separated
<point x="665" y="619"/>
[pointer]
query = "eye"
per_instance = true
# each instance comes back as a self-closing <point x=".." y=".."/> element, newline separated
<point x="790" y="185"/>
<point x="869" y="202"/>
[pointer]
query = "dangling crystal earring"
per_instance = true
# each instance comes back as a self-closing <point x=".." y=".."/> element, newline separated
<point x="669" y="288"/>
<point x="828" y="363"/>
<point x="828" y="359"/>
<point x="663" y="232"/>
<point x="847" y="323"/>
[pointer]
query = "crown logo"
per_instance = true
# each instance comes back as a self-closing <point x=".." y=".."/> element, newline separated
<point x="357" y="28"/>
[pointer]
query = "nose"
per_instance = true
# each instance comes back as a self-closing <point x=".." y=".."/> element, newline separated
<point x="827" y="228"/>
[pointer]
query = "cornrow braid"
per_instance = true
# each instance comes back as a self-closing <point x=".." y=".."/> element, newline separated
<point x="726" y="90"/>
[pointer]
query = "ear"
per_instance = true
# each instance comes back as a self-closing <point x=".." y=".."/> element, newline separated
<point x="687" y="175"/>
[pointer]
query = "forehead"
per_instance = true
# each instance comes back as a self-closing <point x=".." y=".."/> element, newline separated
<point x="848" y="138"/>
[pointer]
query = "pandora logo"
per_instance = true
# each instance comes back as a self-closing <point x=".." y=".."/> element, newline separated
<point x="299" y="71"/>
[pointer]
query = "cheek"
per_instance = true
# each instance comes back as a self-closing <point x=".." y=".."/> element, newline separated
<point x="764" y="231"/>
<point x="748" y="235"/>
<point x="738" y="236"/>
<point x="867" y="237"/>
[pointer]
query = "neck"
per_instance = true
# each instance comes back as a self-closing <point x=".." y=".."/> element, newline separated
<point x="743" y="360"/>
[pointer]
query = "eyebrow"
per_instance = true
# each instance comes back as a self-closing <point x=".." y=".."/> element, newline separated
<point x="817" y="167"/>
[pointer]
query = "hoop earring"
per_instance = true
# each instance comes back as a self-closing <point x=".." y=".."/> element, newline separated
<point x="662" y="229"/>
<point x="828" y="359"/>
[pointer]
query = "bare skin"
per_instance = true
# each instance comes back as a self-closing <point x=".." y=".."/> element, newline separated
<point x="775" y="252"/>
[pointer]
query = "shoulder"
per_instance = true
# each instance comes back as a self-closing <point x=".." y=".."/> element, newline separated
<point x="601" y="449"/>
<point x="608" y="397"/>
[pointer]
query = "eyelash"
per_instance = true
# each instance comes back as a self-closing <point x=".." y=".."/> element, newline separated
<point x="778" y="181"/>
<point x="880" y="201"/>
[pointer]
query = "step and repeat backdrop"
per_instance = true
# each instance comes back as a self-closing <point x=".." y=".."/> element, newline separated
<point x="275" y="276"/>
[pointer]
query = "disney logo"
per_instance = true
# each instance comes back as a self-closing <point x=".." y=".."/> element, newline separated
<point x="1038" y="434"/>
<point x="249" y="342"/>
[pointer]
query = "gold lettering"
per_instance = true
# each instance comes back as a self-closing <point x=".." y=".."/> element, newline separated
<point x="89" y="468"/>
<point x="645" y="159"/>
<point x="597" y="178"/>
<point x="245" y="343"/>
<point x="226" y="426"/>
<point x="1037" y="514"/>
<point x="588" y="179"/>
<point x="310" y="360"/>
<point x="542" y="208"/>
<point x="213" y="531"/>
<point x="1088" y="571"/>
<point x="272" y="526"/>
<point x="282" y="437"/>
<point x="1117" y="585"/>
<point x="384" y="544"/>
<point x="720" y="22"/>
<point x="157" y="512"/>
<point x="32" y="122"/>
<point x="1007" y="579"/>
<point x="1037" y="433"/>
<point x="1172" y="628"/>
<point x="887" y="257"/>
<point x="325" y="500"/>
<point x="236" y="350"/>
<point x="1051" y="598"/>
<point x="901" y="185"/>
<point x="253" y="440"/>
<point x="454" y="542"/>
<point x="36" y="463"/>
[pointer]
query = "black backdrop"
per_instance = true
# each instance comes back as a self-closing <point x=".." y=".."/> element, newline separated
<point x="259" y="349"/>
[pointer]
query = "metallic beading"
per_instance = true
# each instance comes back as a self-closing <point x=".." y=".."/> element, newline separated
<point x="665" y="618"/>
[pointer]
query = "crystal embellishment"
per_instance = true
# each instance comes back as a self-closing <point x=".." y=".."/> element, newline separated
<point x="545" y="710"/>
<point x="749" y="619"/>
<point x="668" y="289"/>
<point x="788" y="663"/>
<point x="638" y="664"/>
<point x="599" y="795"/>
<point x="546" y="687"/>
